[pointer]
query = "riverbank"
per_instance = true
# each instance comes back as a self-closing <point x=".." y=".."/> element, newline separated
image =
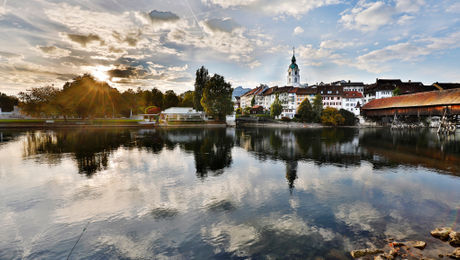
<point x="97" y="123"/>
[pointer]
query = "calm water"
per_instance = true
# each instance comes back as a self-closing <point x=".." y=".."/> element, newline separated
<point x="222" y="193"/>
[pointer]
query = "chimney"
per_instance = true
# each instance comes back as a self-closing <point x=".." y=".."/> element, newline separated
<point x="409" y="81"/>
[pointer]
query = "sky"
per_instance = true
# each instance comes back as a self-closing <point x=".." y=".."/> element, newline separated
<point x="160" y="43"/>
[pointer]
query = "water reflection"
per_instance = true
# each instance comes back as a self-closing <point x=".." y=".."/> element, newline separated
<point x="211" y="148"/>
<point x="222" y="193"/>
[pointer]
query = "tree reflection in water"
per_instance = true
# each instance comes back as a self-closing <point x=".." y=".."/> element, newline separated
<point x="212" y="148"/>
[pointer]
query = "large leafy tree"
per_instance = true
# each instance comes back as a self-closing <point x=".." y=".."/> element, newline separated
<point x="217" y="97"/>
<point x="331" y="116"/>
<point x="317" y="108"/>
<point x="7" y="103"/>
<point x="350" y="118"/>
<point x="39" y="101"/>
<point x="276" y="108"/>
<point x="202" y="77"/>
<point x="170" y="99"/>
<point x="305" y="111"/>
<point x="186" y="99"/>
<point x="86" y="97"/>
<point x="157" y="98"/>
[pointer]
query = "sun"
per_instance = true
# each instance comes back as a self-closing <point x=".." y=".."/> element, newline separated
<point x="100" y="73"/>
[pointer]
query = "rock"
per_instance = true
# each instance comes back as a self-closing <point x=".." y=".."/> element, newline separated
<point x="398" y="244"/>
<point x="418" y="244"/>
<point x="365" y="252"/>
<point x="383" y="257"/>
<point x="454" y="238"/>
<point x="441" y="233"/>
<point x="455" y="254"/>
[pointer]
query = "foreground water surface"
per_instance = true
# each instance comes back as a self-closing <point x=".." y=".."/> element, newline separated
<point x="222" y="193"/>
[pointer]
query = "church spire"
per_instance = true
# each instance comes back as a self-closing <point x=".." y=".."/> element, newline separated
<point x="293" y="55"/>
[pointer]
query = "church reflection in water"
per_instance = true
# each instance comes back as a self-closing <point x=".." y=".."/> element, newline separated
<point x="212" y="148"/>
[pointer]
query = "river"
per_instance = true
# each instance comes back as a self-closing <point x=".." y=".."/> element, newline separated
<point x="222" y="193"/>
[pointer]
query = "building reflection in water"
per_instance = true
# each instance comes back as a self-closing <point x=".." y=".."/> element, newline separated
<point x="212" y="148"/>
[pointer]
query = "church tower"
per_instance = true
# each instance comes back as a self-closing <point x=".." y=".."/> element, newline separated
<point x="293" y="78"/>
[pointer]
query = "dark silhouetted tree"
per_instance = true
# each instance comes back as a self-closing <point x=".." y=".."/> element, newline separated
<point x="217" y="97"/>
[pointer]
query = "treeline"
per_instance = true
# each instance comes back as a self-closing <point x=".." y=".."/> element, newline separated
<point x="7" y="103"/>
<point x="85" y="97"/>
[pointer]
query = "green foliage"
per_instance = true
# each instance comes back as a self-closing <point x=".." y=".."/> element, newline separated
<point x="285" y="119"/>
<point x="253" y="101"/>
<point x="246" y="111"/>
<point x="350" y="118"/>
<point x="170" y="99"/>
<point x="186" y="99"/>
<point x="396" y="91"/>
<point x="317" y="108"/>
<point x="305" y="111"/>
<point x="201" y="79"/>
<point x="7" y="103"/>
<point x="156" y="98"/>
<point x="239" y="111"/>
<point x="39" y="101"/>
<point x="331" y="116"/>
<point x="217" y="97"/>
<point x="276" y="108"/>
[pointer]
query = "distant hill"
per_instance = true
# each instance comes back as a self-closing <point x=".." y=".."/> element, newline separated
<point x="239" y="91"/>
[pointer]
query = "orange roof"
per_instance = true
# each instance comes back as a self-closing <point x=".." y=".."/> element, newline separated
<point x="431" y="98"/>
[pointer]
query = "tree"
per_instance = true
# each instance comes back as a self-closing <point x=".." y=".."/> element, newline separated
<point x="331" y="116"/>
<point x="217" y="97"/>
<point x="253" y="101"/>
<point x="201" y="79"/>
<point x="305" y="111"/>
<point x="157" y="98"/>
<point x="317" y="108"/>
<point x="350" y="118"/>
<point x="276" y="108"/>
<point x="187" y="99"/>
<point x="86" y="97"/>
<point x="7" y="103"/>
<point x="170" y="99"/>
<point x="39" y="101"/>
<point x="396" y="91"/>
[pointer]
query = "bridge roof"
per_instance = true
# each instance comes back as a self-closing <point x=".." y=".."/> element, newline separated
<point x="422" y="99"/>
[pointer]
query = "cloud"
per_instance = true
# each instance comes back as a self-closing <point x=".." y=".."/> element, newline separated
<point x="294" y="8"/>
<point x="310" y="55"/>
<point x="126" y="72"/>
<point x="83" y="40"/>
<point x="298" y="30"/>
<point x="10" y="55"/>
<point x="369" y="16"/>
<point x="454" y="8"/>
<point x="410" y="51"/>
<point x="158" y="16"/>
<point x="334" y="44"/>
<point x="53" y="51"/>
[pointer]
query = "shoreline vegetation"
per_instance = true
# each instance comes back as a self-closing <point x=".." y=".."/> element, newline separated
<point x="59" y="123"/>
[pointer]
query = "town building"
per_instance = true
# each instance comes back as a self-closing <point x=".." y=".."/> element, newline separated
<point x="352" y="101"/>
<point x="183" y="114"/>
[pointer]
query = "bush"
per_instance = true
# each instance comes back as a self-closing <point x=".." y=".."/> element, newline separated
<point x="305" y="112"/>
<point x="285" y="119"/>
<point x="331" y="116"/>
<point x="350" y="118"/>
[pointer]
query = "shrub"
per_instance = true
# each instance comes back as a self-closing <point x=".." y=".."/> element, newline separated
<point x="285" y="119"/>
<point x="331" y="116"/>
<point x="350" y="118"/>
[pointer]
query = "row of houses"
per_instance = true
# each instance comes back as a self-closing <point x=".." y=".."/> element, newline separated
<point x="340" y="95"/>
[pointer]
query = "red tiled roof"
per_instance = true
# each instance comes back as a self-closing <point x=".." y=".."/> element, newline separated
<point x="352" y="94"/>
<point x="431" y="98"/>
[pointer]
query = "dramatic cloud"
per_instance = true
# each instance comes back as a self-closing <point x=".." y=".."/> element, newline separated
<point x="126" y="72"/>
<point x="53" y="51"/>
<point x="83" y="40"/>
<point x="158" y="16"/>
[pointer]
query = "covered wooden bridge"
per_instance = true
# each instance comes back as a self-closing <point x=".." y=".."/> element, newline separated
<point x="423" y="104"/>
